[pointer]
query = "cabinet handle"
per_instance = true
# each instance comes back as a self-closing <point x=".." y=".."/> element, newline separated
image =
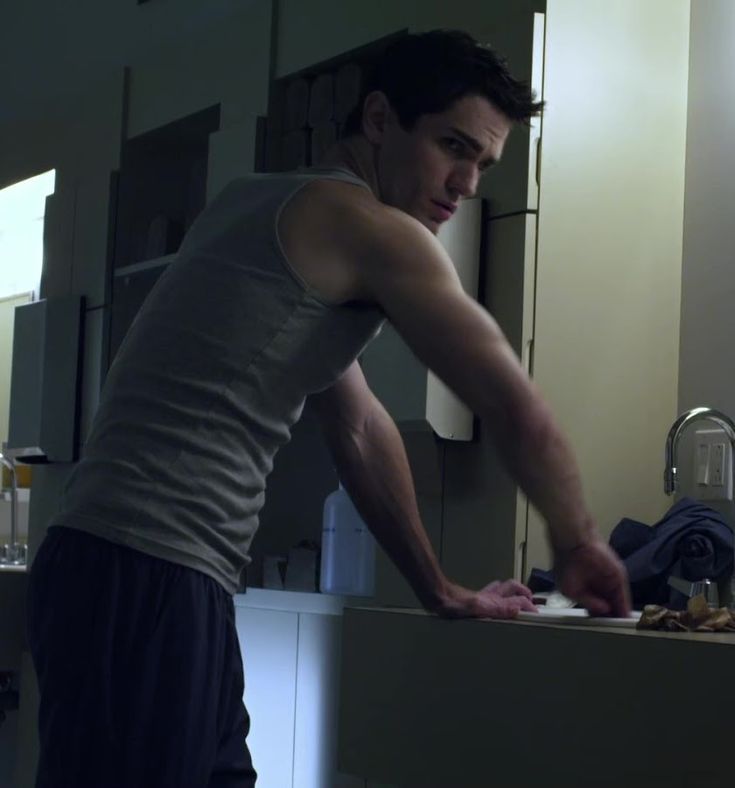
<point x="538" y="161"/>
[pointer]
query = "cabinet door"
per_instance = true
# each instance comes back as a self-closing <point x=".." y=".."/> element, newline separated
<point x="315" y="745"/>
<point x="483" y="512"/>
<point x="268" y="641"/>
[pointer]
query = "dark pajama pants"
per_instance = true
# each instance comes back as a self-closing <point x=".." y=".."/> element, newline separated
<point x="139" y="670"/>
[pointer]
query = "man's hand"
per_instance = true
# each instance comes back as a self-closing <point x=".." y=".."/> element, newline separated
<point x="497" y="600"/>
<point x="592" y="575"/>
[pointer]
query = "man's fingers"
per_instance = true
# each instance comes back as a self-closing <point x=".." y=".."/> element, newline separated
<point x="621" y="600"/>
<point x="526" y="604"/>
<point x="514" y="588"/>
<point x="595" y="605"/>
<point x="511" y="606"/>
<point x="518" y="603"/>
<point x="498" y="607"/>
<point x="510" y="588"/>
<point x="615" y="588"/>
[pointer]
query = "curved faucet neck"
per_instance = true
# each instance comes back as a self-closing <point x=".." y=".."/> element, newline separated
<point x="678" y="427"/>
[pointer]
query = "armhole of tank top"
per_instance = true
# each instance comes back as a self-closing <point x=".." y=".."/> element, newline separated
<point x="308" y="289"/>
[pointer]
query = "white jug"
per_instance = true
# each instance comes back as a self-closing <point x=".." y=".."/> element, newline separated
<point x="348" y="549"/>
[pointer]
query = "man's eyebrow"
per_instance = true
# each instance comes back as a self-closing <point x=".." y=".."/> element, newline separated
<point x="472" y="143"/>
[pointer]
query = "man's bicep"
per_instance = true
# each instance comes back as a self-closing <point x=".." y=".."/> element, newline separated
<point x="346" y="403"/>
<point x="453" y="335"/>
<point x="409" y="274"/>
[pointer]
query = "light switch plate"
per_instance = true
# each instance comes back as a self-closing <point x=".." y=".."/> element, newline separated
<point x="713" y="470"/>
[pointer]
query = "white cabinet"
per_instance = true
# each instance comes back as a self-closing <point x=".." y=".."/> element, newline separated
<point x="290" y="644"/>
<point x="268" y="641"/>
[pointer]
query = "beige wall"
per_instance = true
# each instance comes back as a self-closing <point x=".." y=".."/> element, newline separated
<point x="7" y="314"/>
<point x="609" y="244"/>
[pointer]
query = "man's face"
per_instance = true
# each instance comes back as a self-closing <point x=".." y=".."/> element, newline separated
<point x="428" y="170"/>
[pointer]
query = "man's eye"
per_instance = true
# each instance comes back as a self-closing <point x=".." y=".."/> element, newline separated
<point x="453" y="145"/>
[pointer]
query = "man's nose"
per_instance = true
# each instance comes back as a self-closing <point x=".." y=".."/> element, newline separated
<point x="464" y="179"/>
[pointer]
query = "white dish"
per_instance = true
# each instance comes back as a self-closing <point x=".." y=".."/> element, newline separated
<point x="576" y="616"/>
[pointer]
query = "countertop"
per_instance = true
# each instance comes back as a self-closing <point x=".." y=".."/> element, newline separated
<point x="292" y="601"/>
<point x="721" y="638"/>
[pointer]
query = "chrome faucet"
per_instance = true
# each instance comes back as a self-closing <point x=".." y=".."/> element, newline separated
<point x="12" y="553"/>
<point x="672" y="440"/>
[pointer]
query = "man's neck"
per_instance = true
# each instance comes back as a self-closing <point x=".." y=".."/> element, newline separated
<point x="357" y="155"/>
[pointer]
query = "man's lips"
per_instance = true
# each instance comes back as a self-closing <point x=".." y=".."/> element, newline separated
<point x="444" y="210"/>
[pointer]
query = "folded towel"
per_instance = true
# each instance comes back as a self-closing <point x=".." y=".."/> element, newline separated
<point x="692" y="541"/>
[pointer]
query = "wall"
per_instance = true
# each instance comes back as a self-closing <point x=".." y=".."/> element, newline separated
<point x="609" y="249"/>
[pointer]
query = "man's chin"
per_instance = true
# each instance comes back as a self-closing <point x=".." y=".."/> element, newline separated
<point x="432" y="225"/>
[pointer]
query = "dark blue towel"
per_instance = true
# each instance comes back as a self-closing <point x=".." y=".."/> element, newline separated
<point x="692" y="542"/>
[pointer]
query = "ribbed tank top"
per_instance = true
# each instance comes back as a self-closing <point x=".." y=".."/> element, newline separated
<point x="207" y="384"/>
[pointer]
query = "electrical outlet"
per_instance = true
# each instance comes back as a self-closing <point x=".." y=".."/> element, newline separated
<point x="718" y="465"/>
<point x="713" y="468"/>
<point x="702" y="464"/>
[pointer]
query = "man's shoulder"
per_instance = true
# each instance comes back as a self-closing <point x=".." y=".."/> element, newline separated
<point x="337" y="234"/>
<point x="354" y="211"/>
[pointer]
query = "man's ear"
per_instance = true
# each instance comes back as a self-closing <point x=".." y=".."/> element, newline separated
<point x="377" y="114"/>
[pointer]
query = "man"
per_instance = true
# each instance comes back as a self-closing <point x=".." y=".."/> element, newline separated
<point x="276" y="289"/>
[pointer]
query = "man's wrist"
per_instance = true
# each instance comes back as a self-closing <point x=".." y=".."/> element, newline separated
<point x="565" y="540"/>
<point x="438" y="599"/>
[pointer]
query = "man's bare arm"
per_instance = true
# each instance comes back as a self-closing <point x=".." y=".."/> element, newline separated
<point x="349" y="246"/>
<point x="372" y="465"/>
<point x="402" y="267"/>
<point x="408" y="273"/>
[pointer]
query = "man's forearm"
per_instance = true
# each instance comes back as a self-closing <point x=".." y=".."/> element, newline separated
<point x="372" y="465"/>
<point x="541" y="459"/>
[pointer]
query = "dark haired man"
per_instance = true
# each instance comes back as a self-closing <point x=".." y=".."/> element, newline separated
<point x="276" y="289"/>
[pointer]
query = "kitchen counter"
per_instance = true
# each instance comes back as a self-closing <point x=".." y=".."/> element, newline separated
<point x="727" y="638"/>
<point x="291" y="601"/>
<point x="429" y="702"/>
